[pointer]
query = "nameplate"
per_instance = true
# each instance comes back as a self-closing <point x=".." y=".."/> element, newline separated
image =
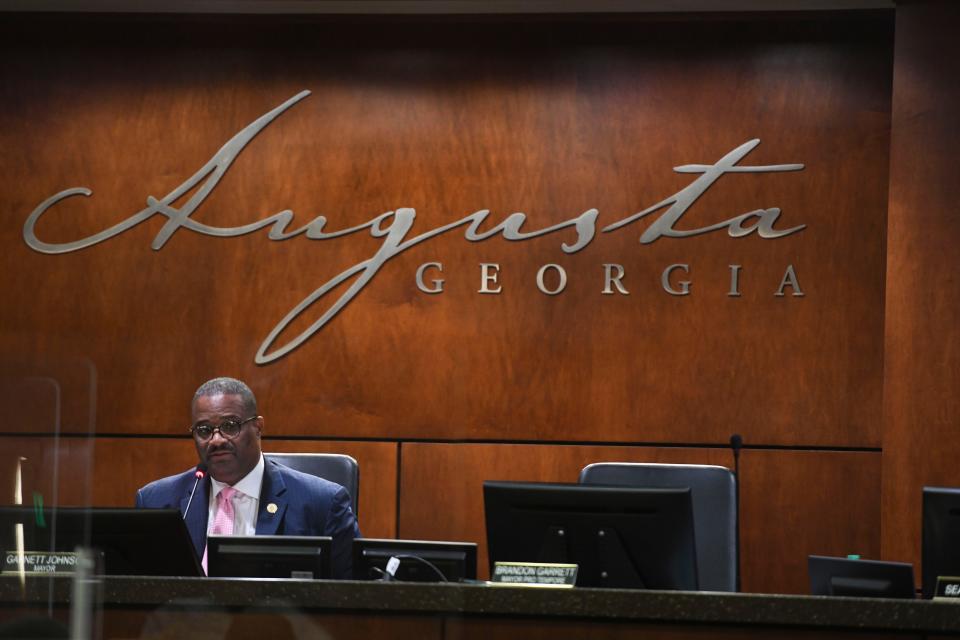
<point x="948" y="588"/>
<point x="39" y="562"/>
<point x="302" y="575"/>
<point x="535" y="574"/>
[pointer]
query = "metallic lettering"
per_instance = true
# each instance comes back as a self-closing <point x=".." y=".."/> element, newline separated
<point x="393" y="226"/>
<point x="560" y="286"/>
<point x="609" y="280"/>
<point x="734" y="281"/>
<point x="437" y="284"/>
<point x="681" y="201"/>
<point x="684" y="284"/>
<point x="488" y="276"/>
<point x="790" y="279"/>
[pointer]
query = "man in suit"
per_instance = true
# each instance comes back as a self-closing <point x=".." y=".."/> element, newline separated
<point x="244" y="494"/>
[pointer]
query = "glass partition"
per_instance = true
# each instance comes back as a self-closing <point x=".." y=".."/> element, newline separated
<point x="47" y="467"/>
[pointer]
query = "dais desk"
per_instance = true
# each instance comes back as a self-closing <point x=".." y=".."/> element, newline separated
<point x="187" y="608"/>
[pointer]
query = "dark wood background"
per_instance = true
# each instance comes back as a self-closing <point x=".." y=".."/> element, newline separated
<point x="922" y="370"/>
<point x="434" y="394"/>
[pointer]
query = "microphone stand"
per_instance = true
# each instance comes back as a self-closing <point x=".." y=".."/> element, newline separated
<point x="736" y="443"/>
<point x="200" y="473"/>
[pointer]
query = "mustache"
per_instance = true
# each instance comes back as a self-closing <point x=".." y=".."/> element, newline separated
<point x="211" y="449"/>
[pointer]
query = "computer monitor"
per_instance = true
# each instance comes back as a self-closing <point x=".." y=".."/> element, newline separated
<point x="941" y="532"/>
<point x="864" y="578"/>
<point x="296" y="557"/>
<point x="420" y="560"/>
<point x="143" y="542"/>
<point x="620" y="537"/>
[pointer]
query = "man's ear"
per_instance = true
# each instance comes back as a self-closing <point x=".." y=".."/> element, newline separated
<point x="259" y="423"/>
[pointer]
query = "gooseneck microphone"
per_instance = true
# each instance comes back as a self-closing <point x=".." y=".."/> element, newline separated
<point x="736" y="443"/>
<point x="200" y="473"/>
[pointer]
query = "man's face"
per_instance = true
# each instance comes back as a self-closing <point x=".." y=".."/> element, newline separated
<point x="228" y="459"/>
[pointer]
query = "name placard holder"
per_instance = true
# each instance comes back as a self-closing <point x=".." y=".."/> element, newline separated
<point x="948" y="589"/>
<point x="40" y="563"/>
<point x="535" y="574"/>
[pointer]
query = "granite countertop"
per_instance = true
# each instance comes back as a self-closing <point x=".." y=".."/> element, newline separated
<point x="735" y="609"/>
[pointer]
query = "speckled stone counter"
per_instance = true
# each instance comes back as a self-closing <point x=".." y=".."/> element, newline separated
<point x="744" y="611"/>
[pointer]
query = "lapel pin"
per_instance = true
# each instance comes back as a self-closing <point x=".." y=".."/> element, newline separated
<point x="271" y="508"/>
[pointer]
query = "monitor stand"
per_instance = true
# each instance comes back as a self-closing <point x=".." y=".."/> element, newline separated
<point x="614" y="568"/>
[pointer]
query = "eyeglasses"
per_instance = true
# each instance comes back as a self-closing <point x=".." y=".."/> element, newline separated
<point x="228" y="429"/>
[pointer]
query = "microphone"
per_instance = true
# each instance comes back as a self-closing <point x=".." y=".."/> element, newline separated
<point x="736" y="443"/>
<point x="200" y="473"/>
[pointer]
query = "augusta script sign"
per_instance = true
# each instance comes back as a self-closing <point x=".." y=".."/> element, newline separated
<point x="395" y="228"/>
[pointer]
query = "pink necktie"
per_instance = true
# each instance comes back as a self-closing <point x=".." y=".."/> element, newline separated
<point x="222" y="518"/>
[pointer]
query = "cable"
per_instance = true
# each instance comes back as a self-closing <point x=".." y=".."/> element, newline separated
<point x="390" y="576"/>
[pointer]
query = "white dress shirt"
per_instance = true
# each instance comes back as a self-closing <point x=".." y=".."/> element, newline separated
<point x="246" y="502"/>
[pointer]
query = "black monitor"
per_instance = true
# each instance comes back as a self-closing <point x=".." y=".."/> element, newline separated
<point x="619" y="536"/>
<point x="141" y="542"/>
<point x="296" y="557"/>
<point x="941" y="533"/>
<point x="863" y="578"/>
<point x="419" y="560"/>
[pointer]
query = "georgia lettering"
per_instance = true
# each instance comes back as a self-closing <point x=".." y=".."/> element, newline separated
<point x="394" y="227"/>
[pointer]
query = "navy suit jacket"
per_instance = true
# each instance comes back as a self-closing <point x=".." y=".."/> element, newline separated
<point x="306" y="506"/>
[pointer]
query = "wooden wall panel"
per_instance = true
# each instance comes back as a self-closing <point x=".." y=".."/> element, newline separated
<point x="108" y="471"/>
<point x="47" y="393"/>
<point x="60" y="470"/>
<point x="797" y="503"/>
<point x="547" y="118"/>
<point x="922" y="372"/>
<point x="33" y="403"/>
<point x="794" y="502"/>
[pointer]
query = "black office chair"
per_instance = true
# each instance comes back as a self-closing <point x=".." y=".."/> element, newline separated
<point x="334" y="467"/>
<point x="713" y="492"/>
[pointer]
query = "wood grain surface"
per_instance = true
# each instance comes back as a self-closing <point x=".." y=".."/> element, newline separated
<point x="551" y="119"/>
<point x="922" y="370"/>
<point x="794" y="503"/>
